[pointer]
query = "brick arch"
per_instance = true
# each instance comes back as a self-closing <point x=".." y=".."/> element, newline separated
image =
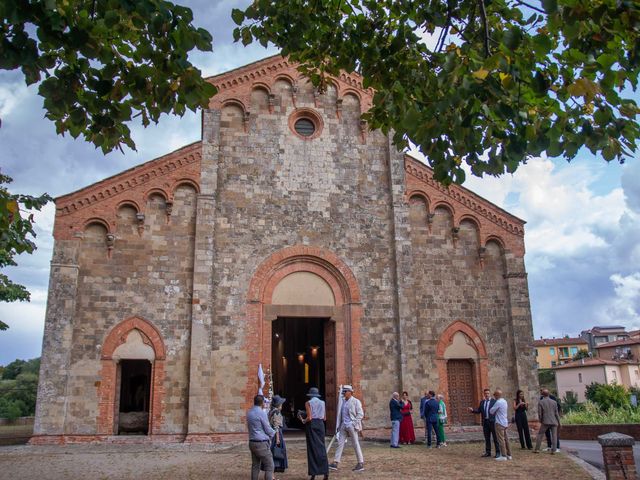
<point x="345" y="316"/>
<point x="107" y="386"/>
<point x="480" y="365"/>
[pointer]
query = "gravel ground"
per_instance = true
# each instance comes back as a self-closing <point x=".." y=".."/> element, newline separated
<point x="198" y="462"/>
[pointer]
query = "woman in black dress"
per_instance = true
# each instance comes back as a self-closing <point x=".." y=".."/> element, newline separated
<point x="314" y="422"/>
<point x="520" y="406"/>
<point x="278" y="447"/>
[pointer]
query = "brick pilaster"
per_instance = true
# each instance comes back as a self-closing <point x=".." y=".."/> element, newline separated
<point x="56" y="346"/>
<point x="200" y="374"/>
<point x="617" y="452"/>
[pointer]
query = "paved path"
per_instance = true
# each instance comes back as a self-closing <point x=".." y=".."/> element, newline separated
<point x="591" y="451"/>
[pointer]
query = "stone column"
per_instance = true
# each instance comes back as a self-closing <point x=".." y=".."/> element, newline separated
<point x="201" y="368"/>
<point x="617" y="452"/>
<point x="58" y="333"/>
<point x="401" y="260"/>
<point x="522" y="331"/>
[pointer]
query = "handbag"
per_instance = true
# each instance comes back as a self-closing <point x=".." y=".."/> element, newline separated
<point x="278" y="452"/>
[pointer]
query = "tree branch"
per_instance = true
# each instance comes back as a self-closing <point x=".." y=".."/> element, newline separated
<point x="485" y="28"/>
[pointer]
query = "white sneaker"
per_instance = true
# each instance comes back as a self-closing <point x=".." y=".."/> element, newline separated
<point x="501" y="459"/>
<point x="546" y="449"/>
<point x="509" y="457"/>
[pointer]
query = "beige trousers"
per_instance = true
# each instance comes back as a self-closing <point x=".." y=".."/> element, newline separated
<point x="503" y="440"/>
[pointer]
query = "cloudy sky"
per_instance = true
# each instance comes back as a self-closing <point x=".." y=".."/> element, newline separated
<point x="582" y="235"/>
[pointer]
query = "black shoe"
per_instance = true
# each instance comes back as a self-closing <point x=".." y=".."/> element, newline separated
<point x="359" y="468"/>
<point x="333" y="466"/>
<point x="395" y="446"/>
<point x="486" y="454"/>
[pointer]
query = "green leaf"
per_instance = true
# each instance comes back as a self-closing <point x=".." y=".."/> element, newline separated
<point x="237" y="16"/>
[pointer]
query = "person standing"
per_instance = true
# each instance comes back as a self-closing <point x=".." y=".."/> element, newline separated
<point x="260" y="433"/>
<point x="431" y="414"/>
<point x="314" y="422"/>
<point x="548" y="434"/>
<point x="278" y="447"/>
<point x="395" y="412"/>
<point x="520" y="407"/>
<point x="349" y="424"/>
<point x="488" y="423"/>
<point x="407" y="434"/>
<point x="442" y="419"/>
<point x="549" y="420"/>
<point x="423" y="402"/>
<point x="500" y="410"/>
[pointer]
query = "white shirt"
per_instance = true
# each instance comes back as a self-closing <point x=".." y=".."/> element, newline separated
<point x="346" y="418"/>
<point x="499" y="409"/>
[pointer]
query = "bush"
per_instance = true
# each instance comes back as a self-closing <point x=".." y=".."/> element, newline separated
<point x="570" y="402"/>
<point x="611" y="396"/>
<point x="591" y="414"/>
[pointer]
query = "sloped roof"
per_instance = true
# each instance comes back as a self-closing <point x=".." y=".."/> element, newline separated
<point x="594" y="362"/>
<point x="549" y="342"/>
<point x="617" y="343"/>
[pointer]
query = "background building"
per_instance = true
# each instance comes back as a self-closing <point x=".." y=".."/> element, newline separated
<point x="597" y="335"/>
<point x="551" y="352"/>
<point x="576" y="376"/>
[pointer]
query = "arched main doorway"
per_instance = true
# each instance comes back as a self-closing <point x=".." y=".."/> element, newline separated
<point x="304" y="307"/>
<point x="461" y="358"/>
<point x="130" y="389"/>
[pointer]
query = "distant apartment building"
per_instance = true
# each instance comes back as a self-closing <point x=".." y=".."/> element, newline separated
<point x="603" y="334"/>
<point x="627" y="349"/>
<point x="552" y="352"/>
<point x="576" y="376"/>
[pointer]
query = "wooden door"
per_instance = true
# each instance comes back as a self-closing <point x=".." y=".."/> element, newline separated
<point x="330" y="386"/>
<point x="461" y="392"/>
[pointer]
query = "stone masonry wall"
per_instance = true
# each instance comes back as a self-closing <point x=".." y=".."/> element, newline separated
<point x="275" y="190"/>
<point x="147" y="275"/>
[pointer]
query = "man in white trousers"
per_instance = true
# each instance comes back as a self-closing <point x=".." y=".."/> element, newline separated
<point x="349" y="424"/>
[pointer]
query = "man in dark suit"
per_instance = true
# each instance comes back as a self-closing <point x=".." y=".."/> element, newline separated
<point x="488" y="422"/>
<point x="423" y="402"/>
<point x="431" y="407"/>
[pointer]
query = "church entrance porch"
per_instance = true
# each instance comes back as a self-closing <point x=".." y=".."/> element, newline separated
<point x="299" y="359"/>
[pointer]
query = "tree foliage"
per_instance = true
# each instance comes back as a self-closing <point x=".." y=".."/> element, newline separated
<point x="489" y="83"/>
<point x="608" y="396"/>
<point x="19" y="388"/>
<point x="101" y="63"/>
<point x="582" y="353"/>
<point x="16" y="236"/>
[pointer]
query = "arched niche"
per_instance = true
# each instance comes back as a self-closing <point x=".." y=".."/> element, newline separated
<point x="282" y="89"/>
<point x="469" y="237"/>
<point x="232" y="116"/>
<point x="303" y="288"/>
<point x="95" y="231"/>
<point x="184" y="204"/>
<point x="126" y="220"/>
<point x="418" y="213"/>
<point x="442" y="223"/>
<point x="259" y="99"/>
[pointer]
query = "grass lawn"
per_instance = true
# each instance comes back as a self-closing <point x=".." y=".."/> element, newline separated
<point x="461" y="461"/>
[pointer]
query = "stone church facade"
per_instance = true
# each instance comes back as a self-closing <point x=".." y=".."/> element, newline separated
<point x="172" y="282"/>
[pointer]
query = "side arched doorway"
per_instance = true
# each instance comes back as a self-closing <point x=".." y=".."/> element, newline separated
<point x="304" y="312"/>
<point x="461" y="359"/>
<point x="130" y="389"/>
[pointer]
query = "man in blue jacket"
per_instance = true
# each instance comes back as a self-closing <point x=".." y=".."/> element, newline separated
<point x="395" y="408"/>
<point x="431" y="407"/>
<point x="423" y="402"/>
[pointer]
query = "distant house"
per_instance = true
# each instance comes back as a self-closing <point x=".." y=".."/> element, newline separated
<point x="551" y="352"/>
<point x="627" y="349"/>
<point x="576" y="376"/>
<point x="603" y="334"/>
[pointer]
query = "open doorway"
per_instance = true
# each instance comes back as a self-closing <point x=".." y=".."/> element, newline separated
<point x="299" y="360"/>
<point x="135" y="394"/>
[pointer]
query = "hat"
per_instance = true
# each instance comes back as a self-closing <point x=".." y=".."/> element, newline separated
<point x="313" y="392"/>
<point x="347" y="388"/>
<point x="277" y="400"/>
